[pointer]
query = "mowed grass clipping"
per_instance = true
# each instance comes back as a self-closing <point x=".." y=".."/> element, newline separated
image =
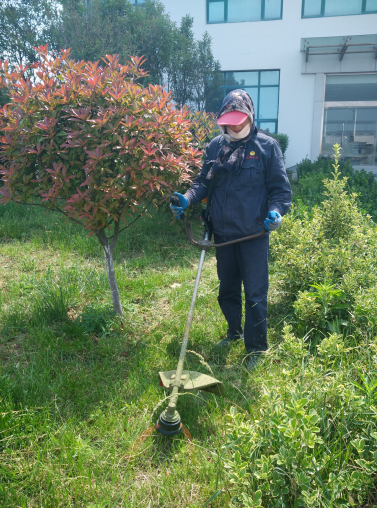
<point x="79" y="385"/>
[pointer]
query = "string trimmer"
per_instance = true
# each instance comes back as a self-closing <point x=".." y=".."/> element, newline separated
<point x="169" y="422"/>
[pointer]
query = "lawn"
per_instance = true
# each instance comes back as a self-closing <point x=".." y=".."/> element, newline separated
<point x="78" y="385"/>
<point x="85" y="384"/>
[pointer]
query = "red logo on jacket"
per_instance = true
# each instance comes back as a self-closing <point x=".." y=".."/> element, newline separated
<point x="252" y="155"/>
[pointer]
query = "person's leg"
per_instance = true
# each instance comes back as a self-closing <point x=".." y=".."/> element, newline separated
<point x="229" y="298"/>
<point x="254" y="270"/>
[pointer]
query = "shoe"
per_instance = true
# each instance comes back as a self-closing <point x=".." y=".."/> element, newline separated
<point x="228" y="340"/>
<point x="253" y="361"/>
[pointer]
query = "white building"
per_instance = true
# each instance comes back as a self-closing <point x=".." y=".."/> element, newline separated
<point x="309" y="65"/>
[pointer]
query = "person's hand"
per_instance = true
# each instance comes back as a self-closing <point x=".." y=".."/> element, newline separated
<point x="178" y="210"/>
<point x="273" y="221"/>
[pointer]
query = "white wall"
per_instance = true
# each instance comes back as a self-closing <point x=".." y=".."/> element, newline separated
<point x="276" y="45"/>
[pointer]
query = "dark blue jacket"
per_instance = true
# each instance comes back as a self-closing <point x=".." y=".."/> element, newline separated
<point x="243" y="198"/>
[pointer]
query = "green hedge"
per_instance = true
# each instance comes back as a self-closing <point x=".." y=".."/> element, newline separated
<point x="283" y="139"/>
<point x="310" y="186"/>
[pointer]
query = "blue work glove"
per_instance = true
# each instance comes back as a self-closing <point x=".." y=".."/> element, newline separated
<point x="177" y="211"/>
<point x="273" y="221"/>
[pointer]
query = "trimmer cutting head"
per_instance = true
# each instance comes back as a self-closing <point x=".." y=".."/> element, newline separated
<point x="168" y="428"/>
<point x="190" y="381"/>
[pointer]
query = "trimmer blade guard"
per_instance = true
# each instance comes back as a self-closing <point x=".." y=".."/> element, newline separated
<point x="192" y="381"/>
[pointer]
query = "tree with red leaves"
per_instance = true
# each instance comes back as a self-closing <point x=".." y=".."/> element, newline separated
<point x="86" y="140"/>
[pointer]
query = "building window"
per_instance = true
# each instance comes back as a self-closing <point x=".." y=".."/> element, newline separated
<point x="350" y="117"/>
<point x="319" y="8"/>
<point x="351" y="87"/>
<point x="234" y="11"/>
<point x="263" y="87"/>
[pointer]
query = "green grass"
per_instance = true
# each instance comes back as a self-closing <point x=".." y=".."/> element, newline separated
<point x="86" y="384"/>
<point x="79" y="385"/>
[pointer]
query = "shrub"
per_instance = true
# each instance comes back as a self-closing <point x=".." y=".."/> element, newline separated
<point x="331" y="349"/>
<point x="307" y="308"/>
<point x="325" y="260"/>
<point x="365" y="310"/>
<point x="283" y="139"/>
<point x="293" y="347"/>
<point x="310" y="187"/>
<point x="320" y="307"/>
<point x="91" y="143"/>
<point x="313" y="443"/>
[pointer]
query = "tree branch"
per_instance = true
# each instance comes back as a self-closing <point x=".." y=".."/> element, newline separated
<point x="132" y="222"/>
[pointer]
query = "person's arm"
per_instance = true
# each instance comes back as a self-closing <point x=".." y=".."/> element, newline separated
<point x="199" y="189"/>
<point x="279" y="190"/>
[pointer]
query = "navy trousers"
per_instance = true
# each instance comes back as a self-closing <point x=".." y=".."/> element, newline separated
<point x="245" y="262"/>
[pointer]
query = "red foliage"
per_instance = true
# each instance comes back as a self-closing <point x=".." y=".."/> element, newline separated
<point x="86" y="139"/>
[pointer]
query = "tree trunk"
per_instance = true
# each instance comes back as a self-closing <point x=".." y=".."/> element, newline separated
<point x="108" y="252"/>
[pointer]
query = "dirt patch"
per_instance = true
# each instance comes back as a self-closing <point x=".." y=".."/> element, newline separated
<point x="5" y="263"/>
<point x="10" y="350"/>
<point x="73" y="312"/>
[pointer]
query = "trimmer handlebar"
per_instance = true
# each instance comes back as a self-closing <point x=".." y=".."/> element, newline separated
<point x="206" y="244"/>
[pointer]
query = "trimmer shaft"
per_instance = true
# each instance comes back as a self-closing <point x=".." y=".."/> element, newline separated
<point x="169" y="422"/>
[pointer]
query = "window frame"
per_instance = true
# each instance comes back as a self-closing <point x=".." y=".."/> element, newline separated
<point x="224" y="87"/>
<point x="208" y="2"/>
<point x="322" y="11"/>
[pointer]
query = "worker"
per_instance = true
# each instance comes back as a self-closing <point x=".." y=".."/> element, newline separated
<point x="244" y="180"/>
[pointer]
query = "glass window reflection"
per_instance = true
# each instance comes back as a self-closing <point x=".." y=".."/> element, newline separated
<point x="272" y="9"/>
<point x="216" y="12"/>
<point x="270" y="77"/>
<point x="254" y="93"/>
<point x="318" y="8"/>
<point x="243" y="10"/>
<point x="342" y="7"/>
<point x="268" y="102"/>
<point x="352" y="87"/>
<point x="271" y="126"/>
<point x="371" y="6"/>
<point x="235" y="11"/>
<point x="242" y="78"/>
<point x="312" y="7"/>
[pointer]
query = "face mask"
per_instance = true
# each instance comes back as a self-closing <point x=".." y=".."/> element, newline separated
<point x="242" y="134"/>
